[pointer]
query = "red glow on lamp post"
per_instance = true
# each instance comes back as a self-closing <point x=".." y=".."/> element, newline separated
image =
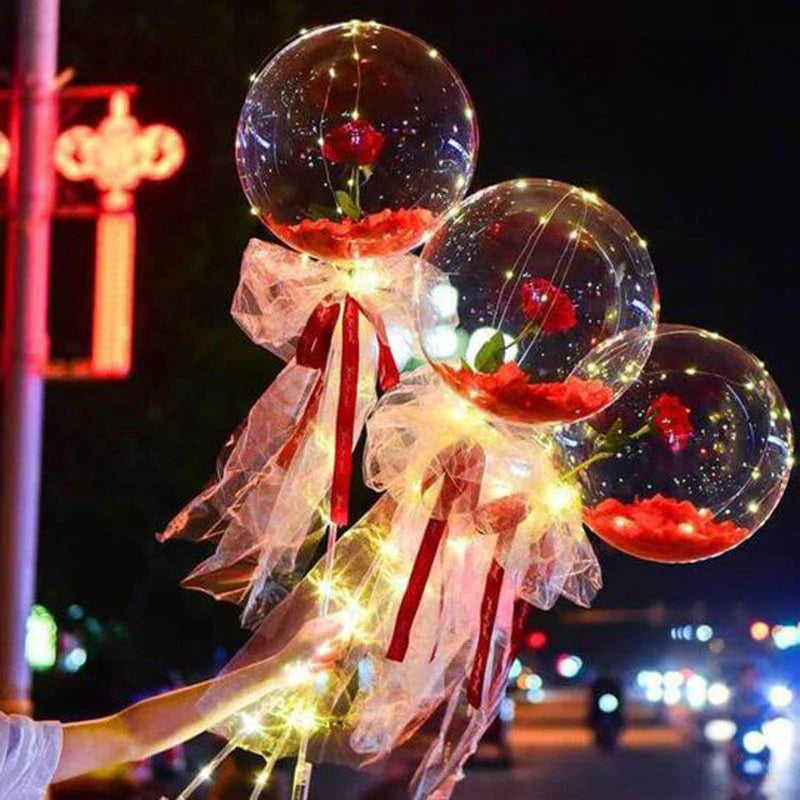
<point x="5" y="154"/>
<point x="117" y="156"/>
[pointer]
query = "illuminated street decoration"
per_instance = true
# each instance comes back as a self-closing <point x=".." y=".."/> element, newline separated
<point x="5" y="154"/>
<point x="41" y="639"/>
<point x="117" y="156"/>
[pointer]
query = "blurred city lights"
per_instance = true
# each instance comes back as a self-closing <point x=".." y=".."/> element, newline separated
<point x="608" y="703"/>
<point x="781" y="696"/>
<point x="536" y="640"/>
<point x="778" y="733"/>
<point x="41" y="638"/>
<point x="507" y="710"/>
<point x="759" y="631"/>
<point x="696" y="691"/>
<point x="654" y="694"/>
<point x="673" y="679"/>
<point x="720" y="730"/>
<point x="718" y="694"/>
<point x="75" y="659"/>
<point x="704" y="633"/>
<point x="568" y="666"/>
<point x="752" y="766"/>
<point x="786" y="636"/>
<point x="672" y="695"/>
<point x="649" y="677"/>
<point x="716" y="646"/>
<point x="534" y="695"/>
<point x="515" y="670"/>
<point x="754" y="742"/>
<point x="442" y="342"/>
<point x="445" y="298"/>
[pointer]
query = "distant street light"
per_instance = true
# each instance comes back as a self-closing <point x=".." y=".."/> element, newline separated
<point x="759" y="631"/>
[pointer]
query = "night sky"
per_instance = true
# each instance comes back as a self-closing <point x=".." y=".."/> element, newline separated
<point x="680" y="120"/>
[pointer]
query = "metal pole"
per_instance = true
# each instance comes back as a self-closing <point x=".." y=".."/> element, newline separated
<point x="25" y="345"/>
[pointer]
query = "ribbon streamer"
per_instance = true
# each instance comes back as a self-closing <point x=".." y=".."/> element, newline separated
<point x="285" y="474"/>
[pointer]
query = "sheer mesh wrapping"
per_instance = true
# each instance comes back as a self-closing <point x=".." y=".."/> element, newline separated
<point x="267" y="504"/>
<point x="435" y="458"/>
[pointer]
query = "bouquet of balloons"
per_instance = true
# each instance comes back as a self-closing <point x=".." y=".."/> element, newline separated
<point x="527" y="391"/>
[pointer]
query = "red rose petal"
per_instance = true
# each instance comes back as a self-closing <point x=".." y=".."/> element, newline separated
<point x="386" y="232"/>
<point x="509" y="394"/>
<point x="662" y="529"/>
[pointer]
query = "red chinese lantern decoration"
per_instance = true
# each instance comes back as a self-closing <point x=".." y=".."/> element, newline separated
<point x="5" y="154"/>
<point x="117" y="156"/>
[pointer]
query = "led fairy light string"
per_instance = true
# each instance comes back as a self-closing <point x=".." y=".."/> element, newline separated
<point x="366" y="583"/>
<point x="207" y="771"/>
<point x="248" y="725"/>
<point x="362" y="279"/>
<point x="709" y="416"/>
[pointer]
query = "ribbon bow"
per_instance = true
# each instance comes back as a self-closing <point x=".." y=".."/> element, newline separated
<point x="278" y="470"/>
<point x="496" y="478"/>
<point x="313" y="350"/>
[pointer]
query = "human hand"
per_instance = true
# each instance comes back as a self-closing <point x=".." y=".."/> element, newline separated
<point x="319" y="642"/>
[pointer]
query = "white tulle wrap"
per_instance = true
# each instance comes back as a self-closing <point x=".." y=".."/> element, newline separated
<point x="271" y="490"/>
<point x="504" y="522"/>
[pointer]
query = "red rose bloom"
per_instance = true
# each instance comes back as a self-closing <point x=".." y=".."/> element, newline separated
<point x="659" y="528"/>
<point x="508" y="394"/>
<point x="548" y="306"/>
<point x="669" y="418"/>
<point x="355" y="142"/>
<point x="385" y="233"/>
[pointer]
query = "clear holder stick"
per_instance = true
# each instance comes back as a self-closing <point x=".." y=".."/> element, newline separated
<point x="208" y="770"/>
<point x="269" y="767"/>
<point x="304" y="768"/>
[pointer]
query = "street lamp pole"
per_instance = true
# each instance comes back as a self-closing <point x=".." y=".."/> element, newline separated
<point x="25" y="343"/>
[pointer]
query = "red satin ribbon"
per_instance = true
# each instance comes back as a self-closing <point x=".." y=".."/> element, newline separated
<point x="313" y="350"/>
<point x="456" y="464"/>
<point x="501" y="517"/>
<point x="489" y="604"/>
<point x="345" y="414"/>
<point x="522" y="609"/>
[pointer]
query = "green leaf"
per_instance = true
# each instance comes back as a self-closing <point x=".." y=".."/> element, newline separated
<point x="613" y="440"/>
<point x="347" y="205"/>
<point x="490" y="357"/>
<point x="465" y="365"/>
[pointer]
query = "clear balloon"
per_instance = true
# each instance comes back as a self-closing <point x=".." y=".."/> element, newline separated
<point x="354" y="139"/>
<point x="532" y="275"/>
<point x="692" y="459"/>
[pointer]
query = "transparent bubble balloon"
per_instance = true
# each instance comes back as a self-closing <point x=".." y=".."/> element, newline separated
<point x="692" y="459"/>
<point x="530" y="276"/>
<point x="354" y="139"/>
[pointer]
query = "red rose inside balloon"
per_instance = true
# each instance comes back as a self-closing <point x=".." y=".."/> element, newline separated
<point x="353" y="140"/>
<point x="356" y="142"/>
<point x="669" y="419"/>
<point x="548" y="307"/>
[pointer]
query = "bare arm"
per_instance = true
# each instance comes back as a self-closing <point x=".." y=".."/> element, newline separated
<point x="161" y="722"/>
